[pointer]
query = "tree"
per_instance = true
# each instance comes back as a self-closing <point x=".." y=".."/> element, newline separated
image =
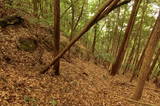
<point x="57" y="33"/>
<point x="107" y="7"/>
<point x="94" y="39"/>
<point x="136" y="39"/>
<point x="119" y="59"/>
<point x="153" y="64"/>
<point x="75" y="20"/>
<point x="151" y="46"/>
<point x="35" y="7"/>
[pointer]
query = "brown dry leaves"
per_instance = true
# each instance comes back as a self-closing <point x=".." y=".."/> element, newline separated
<point x="81" y="83"/>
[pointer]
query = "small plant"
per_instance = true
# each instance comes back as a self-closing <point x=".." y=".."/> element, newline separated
<point x="53" y="102"/>
<point x="28" y="99"/>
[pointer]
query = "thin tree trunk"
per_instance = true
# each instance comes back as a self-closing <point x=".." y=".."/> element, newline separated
<point x="136" y="57"/>
<point x="153" y="42"/>
<point x="94" y="39"/>
<point x="120" y="32"/>
<point x="134" y="71"/>
<point x="153" y="64"/>
<point x="139" y="33"/>
<point x="130" y="57"/>
<point x="139" y="60"/>
<point x="72" y="23"/>
<point x="139" y="63"/>
<point x="121" y="53"/>
<point x="107" y="6"/>
<point x="57" y="33"/>
<point x="115" y="35"/>
<point x="35" y="7"/>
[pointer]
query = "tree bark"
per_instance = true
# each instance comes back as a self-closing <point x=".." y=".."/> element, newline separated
<point x="153" y="64"/>
<point x="122" y="50"/>
<point x="115" y="37"/>
<point x="57" y="33"/>
<point x="108" y="5"/>
<point x="138" y="33"/>
<point x="105" y="12"/>
<point x="153" y="42"/>
<point x="35" y="7"/>
<point x="94" y="39"/>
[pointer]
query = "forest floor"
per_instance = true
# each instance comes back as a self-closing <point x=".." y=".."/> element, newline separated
<point x="81" y="83"/>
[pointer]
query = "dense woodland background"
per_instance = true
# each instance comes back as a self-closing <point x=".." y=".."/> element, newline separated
<point x="122" y="36"/>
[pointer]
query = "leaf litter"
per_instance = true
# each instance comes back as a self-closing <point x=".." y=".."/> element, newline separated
<point x="81" y="83"/>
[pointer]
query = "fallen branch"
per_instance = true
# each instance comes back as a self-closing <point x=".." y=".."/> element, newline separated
<point x="108" y="6"/>
<point x="105" y="12"/>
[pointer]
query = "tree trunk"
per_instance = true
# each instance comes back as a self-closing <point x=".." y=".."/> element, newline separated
<point x="130" y="57"/>
<point x="107" y="6"/>
<point x="94" y="39"/>
<point x="153" y="42"/>
<point x="57" y="33"/>
<point x="153" y="64"/>
<point x="138" y="33"/>
<point x="35" y="7"/>
<point x="72" y="23"/>
<point x="115" y="34"/>
<point x="121" y="53"/>
<point x="120" y="32"/>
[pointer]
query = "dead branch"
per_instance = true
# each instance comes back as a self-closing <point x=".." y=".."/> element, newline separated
<point x="108" y="4"/>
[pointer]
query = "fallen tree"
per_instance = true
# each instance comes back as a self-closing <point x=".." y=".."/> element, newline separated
<point x="106" y="8"/>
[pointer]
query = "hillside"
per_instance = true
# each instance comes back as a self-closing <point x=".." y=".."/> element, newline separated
<point x="117" y="42"/>
<point x="81" y="83"/>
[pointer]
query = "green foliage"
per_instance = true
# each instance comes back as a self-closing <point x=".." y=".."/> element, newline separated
<point x="156" y="72"/>
<point x="33" y="20"/>
<point x="28" y="99"/>
<point x="130" y="66"/>
<point x="27" y="44"/>
<point x="106" y="27"/>
<point x="105" y="57"/>
<point x="53" y="102"/>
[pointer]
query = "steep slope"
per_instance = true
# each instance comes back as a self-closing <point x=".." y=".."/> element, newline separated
<point x="81" y="83"/>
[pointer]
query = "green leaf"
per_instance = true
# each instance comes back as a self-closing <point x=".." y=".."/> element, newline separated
<point x="53" y="102"/>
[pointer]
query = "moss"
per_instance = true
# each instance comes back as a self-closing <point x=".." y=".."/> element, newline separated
<point x="27" y="44"/>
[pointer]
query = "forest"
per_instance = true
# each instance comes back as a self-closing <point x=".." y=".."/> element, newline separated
<point x="79" y="53"/>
